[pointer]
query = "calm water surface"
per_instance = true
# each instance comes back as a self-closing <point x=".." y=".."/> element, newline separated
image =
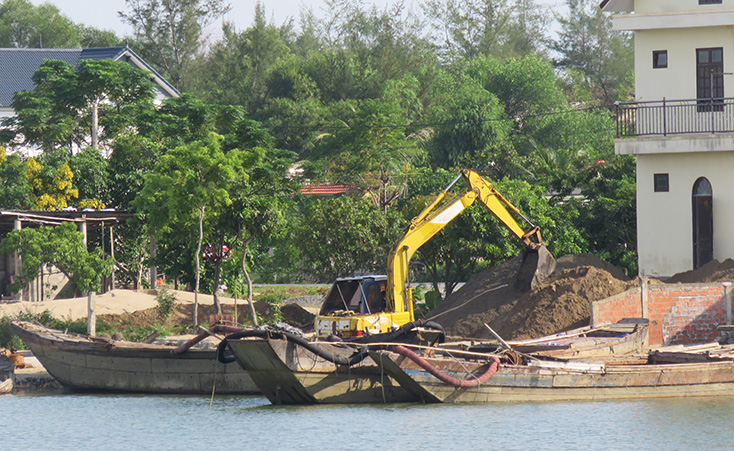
<point x="123" y="422"/>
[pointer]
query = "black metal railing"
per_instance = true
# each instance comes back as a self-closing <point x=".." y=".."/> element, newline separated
<point x="675" y="117"/>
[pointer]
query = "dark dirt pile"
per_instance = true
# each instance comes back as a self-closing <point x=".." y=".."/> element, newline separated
<point x="712" y="271"/>
<point x="558" y="304"/>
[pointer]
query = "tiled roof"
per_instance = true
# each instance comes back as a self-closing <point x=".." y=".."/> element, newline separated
<point x="18" y="65"/>
<point x="324" y="190"/>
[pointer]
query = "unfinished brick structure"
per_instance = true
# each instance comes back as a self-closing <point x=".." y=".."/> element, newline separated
<point x="678" y="314"/>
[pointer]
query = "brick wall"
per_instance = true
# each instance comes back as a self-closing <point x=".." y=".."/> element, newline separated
<point x="678" y="314"/>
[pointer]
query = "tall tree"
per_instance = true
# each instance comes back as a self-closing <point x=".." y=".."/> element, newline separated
<point x="186" y="182"/>
<point x="589" y="44"/>
<point x="24" y="25"/>
<point x="500" y="28"/>
<point x="247" y="57"/>
<point x="171" y="33"/>
<point x="375" y="150"/>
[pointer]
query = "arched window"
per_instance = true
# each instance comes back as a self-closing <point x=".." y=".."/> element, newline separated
<point x="703" y="223"/>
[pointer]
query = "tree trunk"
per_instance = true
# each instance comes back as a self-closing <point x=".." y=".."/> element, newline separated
<point x="95" y="123"/>
<point x="250" y="299"/>
<point x="218" y="273"/>
<point x="198" y="266"/>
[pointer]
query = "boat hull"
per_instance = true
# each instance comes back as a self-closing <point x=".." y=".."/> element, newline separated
<point x="79" y="363"/>
<point x="549" y="381"/>
<point x="289" y="374"/>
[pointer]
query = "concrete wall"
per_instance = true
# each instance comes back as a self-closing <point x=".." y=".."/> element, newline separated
<point x="665" y="219"/>
<point x="678" y="313"/>
<point x="670" y="6"/>
<point x="678" y="80"/>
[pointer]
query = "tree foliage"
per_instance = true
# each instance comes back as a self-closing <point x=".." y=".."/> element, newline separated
<point x="61" y="246"/>
<point x="171" y="32"/>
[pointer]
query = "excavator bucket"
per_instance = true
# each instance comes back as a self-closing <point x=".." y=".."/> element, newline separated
<point x="537" y="266"/>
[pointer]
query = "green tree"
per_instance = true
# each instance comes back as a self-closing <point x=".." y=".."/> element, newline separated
<point x="186" y="182"/>
<point x="341" y="236"/>
<point x="61" y="246"/>
<point x="375" y="152"/>
<point x="66" y="106"/>
<point x="24" y="25"/>
<point x="170" y="33"/>
<point x="247" y="57"/>
<point x="15" y="191"/>
<point x="499" y="28"/>
<point x="589" y="44"/>
<point x="472" y="125"/>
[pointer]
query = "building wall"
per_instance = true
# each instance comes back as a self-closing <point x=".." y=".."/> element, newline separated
<point x="672" y="6"/>
<point x="678" y="313"/>
<point x="665" y="219"/>
<point x="678" y="80"/>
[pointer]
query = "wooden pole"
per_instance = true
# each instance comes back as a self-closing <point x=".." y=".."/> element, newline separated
<point x="727" y="300"/>
<point x="91" y="315"/>
<point x="112" y="254"/>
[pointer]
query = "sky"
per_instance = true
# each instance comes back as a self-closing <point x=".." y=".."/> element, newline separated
<point x="103" y="13"/>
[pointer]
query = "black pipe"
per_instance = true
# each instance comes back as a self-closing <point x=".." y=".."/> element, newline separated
<point x="339" y="360"/>
<point x="355" y="358"/>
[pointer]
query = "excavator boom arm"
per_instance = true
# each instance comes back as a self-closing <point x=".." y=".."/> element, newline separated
<point x="428" y="223"/>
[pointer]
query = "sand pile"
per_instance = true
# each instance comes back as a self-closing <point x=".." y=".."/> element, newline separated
<point x="712" y="271"/>
<point x="558" y="304"/>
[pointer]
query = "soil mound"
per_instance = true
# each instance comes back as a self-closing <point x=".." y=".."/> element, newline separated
<point x="558" y="304"/>
<point x="712" y="271"/>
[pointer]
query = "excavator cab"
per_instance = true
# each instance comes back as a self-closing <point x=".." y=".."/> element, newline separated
<point x="355" y="307"/>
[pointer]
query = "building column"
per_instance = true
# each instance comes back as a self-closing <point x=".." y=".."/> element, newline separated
<point x="112" y="254"/>
<point x="17" y="268"/>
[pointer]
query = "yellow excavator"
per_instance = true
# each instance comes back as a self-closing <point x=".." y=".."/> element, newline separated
<point x="368" y="305"/>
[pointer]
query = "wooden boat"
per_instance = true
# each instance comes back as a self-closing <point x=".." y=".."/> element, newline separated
<point x="289" y="369"/>
<point x="94" y="364"/>
<point x="628" y="336"/>
<point x="287" y="372"/>
<point x="290" y="374"/>
<point x="454" y="377"/>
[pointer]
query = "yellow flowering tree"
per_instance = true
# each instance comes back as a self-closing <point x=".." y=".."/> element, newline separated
<point x="52" y="189"/>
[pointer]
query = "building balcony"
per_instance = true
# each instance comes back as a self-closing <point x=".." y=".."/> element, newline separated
<point x="675" y="126"/>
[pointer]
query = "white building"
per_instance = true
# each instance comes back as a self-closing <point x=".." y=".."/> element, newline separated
<point x="681" y="128"/>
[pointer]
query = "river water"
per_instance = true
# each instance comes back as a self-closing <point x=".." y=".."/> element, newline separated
<point x="68" y="421"/>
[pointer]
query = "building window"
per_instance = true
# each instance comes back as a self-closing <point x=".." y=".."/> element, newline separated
<point x="661" y="183"/>
<point x="709" y="2"/>
<point x="710" y="79"/>
<point x="659" y="59"/>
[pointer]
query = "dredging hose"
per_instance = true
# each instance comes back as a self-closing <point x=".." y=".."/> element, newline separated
<point x="445" y="378"/>
<point x="355" y="358"/>
<point x="326" y="355"/>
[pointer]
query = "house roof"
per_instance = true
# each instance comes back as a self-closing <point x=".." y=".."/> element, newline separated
<point x="17" y="66"/>
<point x="325" y="190"/>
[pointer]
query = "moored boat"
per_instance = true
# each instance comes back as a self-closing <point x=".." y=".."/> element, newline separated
<point x="95" y="364"/>
<point x="456" y="377"/>
<point x="289" y="369"/>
